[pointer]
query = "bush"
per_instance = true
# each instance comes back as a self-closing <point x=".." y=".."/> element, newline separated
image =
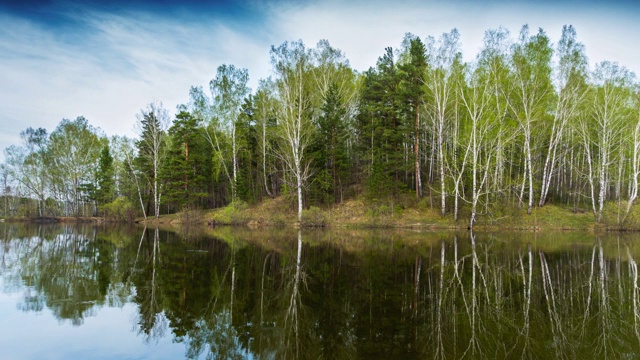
<point x="314" y="217"/>
<point x="190" y="216"/>
<point x="119" y="209"/>
<point x="234" y="213"/>
<point x="278" y="219"/>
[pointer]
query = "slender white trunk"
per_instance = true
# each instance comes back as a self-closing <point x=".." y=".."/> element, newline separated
<point x="234" y="160"/>
<point x="264" y="157"/>
<point x="299" y="183"/>
<point x="527" y="148"/>
<point x="633" y="186"/>
<point x="135" y="179"/>
<point x="443" y="195"/>
<point x="602" y="176"/>
<point x="590" y="175"/>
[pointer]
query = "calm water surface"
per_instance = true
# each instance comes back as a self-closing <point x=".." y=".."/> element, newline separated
<point x="79" y="292"/>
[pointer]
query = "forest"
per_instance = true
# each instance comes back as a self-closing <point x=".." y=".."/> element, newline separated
<point x="525" y="124"/>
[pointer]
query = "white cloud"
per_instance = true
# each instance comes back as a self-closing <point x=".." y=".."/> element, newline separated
<point x="122" y="64"/>
<point x="118" y="63"/>
<point x="363" y="29"/>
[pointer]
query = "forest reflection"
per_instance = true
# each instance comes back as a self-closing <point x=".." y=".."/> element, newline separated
<point x="291" y="294"/>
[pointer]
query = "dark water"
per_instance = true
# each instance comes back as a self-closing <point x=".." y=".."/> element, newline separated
<point x="70" y="292"/>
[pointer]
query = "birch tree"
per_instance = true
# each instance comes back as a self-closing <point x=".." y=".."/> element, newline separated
<point x="125" y="148"/>
<point x="265" y="120"/>
<point x="441" y="57"/>
<point x="601" y="135"/>
<point x="571" y="76"/>
<point x="229" y="89"/>
<point x="291" y="64"/>
<point x="152" y="124"/>
<point x="530" y="95"/>
<point x="635" y="154"/>
<point x="27" y="164"/>
<point x="334" y="100"/>
<point x="477" y="100"/>
<point x="74" y="148"/>
<point x="494" y="57"/>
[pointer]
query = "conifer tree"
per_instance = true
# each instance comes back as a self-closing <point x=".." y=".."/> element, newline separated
<point x="106" y="191"/>
<point x="186" y="166"/>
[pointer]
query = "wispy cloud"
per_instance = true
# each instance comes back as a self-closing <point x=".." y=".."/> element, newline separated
<point x="123" y="62"/>
<point x="108" y="62"/>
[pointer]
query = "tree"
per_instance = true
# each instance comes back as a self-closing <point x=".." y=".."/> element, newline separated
<point x="27" y="164"/>
<point x="530" y="95"/>
<point x="74" y="147"/>
<point x="125" y="148"/>
<point x="187" y="165"/>
<point x="412" y="74"/>
<point x="291" y="64"/>
<point x="601" y="133"/>
<point x="151" y="146"/>
<point x="334" y="99"/>
<point x="229" y="89"/>
<point x="443" y="59"/>
<point x="265" y="121"/>
<point x="105" y="175"/>
<point x="329" y="145"/>
<point x="381" y="129"/>
<point x="481" y="147"/>
<point x="571" y="82"/>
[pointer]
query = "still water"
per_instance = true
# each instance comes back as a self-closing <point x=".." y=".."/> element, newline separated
<point x="79" y="292"/>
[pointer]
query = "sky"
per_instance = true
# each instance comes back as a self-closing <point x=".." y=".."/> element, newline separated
<point x="106" y="60"/>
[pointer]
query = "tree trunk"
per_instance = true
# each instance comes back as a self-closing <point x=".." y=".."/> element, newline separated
<point x="416" y="152"/>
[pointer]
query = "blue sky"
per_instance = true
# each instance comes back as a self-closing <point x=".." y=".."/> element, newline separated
<point x="106" y="60"/>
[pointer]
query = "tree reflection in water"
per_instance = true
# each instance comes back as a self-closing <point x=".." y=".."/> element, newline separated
<point x="340" y="294"/>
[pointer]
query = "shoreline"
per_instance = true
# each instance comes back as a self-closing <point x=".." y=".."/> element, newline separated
<point x="356" y="214"/>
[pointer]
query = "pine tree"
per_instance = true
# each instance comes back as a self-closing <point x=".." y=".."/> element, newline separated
<point x="411" y="94"/>
<point x="106" y="191"/>
<point x="186" y="167"/>
<point x="380" y="127"/>
<point x="329" y="151"/>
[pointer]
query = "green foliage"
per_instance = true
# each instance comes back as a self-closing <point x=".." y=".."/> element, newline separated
<point x="190" y="216"/>
<point x="379" y="184"/>
<point x="513" y="125"/>
<point x="314" y="217"/>
<point x="121" y="209"/>
<point x="187" y="166"/>
<point x="106" y="183"/>
<point x="381" y="128"/>
<point x="328" y="150"/>
<point x="232" y="214"/>
<point x="277" y="219"/>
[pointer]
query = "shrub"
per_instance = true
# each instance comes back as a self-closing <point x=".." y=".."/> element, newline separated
<point x="278" y="219"/>
<point x="119" y="209"/>
<point x="234" y="213"/>
<point x="314" y="217"/>
<point x="190" y="216"/>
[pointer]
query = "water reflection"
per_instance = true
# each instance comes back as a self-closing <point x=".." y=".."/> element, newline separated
<point x="342" y="294"/>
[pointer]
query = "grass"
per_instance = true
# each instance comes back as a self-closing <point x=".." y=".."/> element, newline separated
<point x="360" y="213"/>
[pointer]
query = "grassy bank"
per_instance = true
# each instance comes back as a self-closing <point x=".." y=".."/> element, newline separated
<point x="358" y="213"/>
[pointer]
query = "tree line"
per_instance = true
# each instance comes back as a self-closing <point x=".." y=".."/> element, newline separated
<point x="527" y="122"/>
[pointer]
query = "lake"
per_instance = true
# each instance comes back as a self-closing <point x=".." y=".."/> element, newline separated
<point x="117" y="292"/>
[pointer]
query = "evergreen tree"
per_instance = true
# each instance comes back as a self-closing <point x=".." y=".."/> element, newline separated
<point x="329" y="151"/>
<point x="411" y="93"/>
<point x="105" y="175"/>
<point x="381" y="130"/>
<point x="187" y="165"/>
